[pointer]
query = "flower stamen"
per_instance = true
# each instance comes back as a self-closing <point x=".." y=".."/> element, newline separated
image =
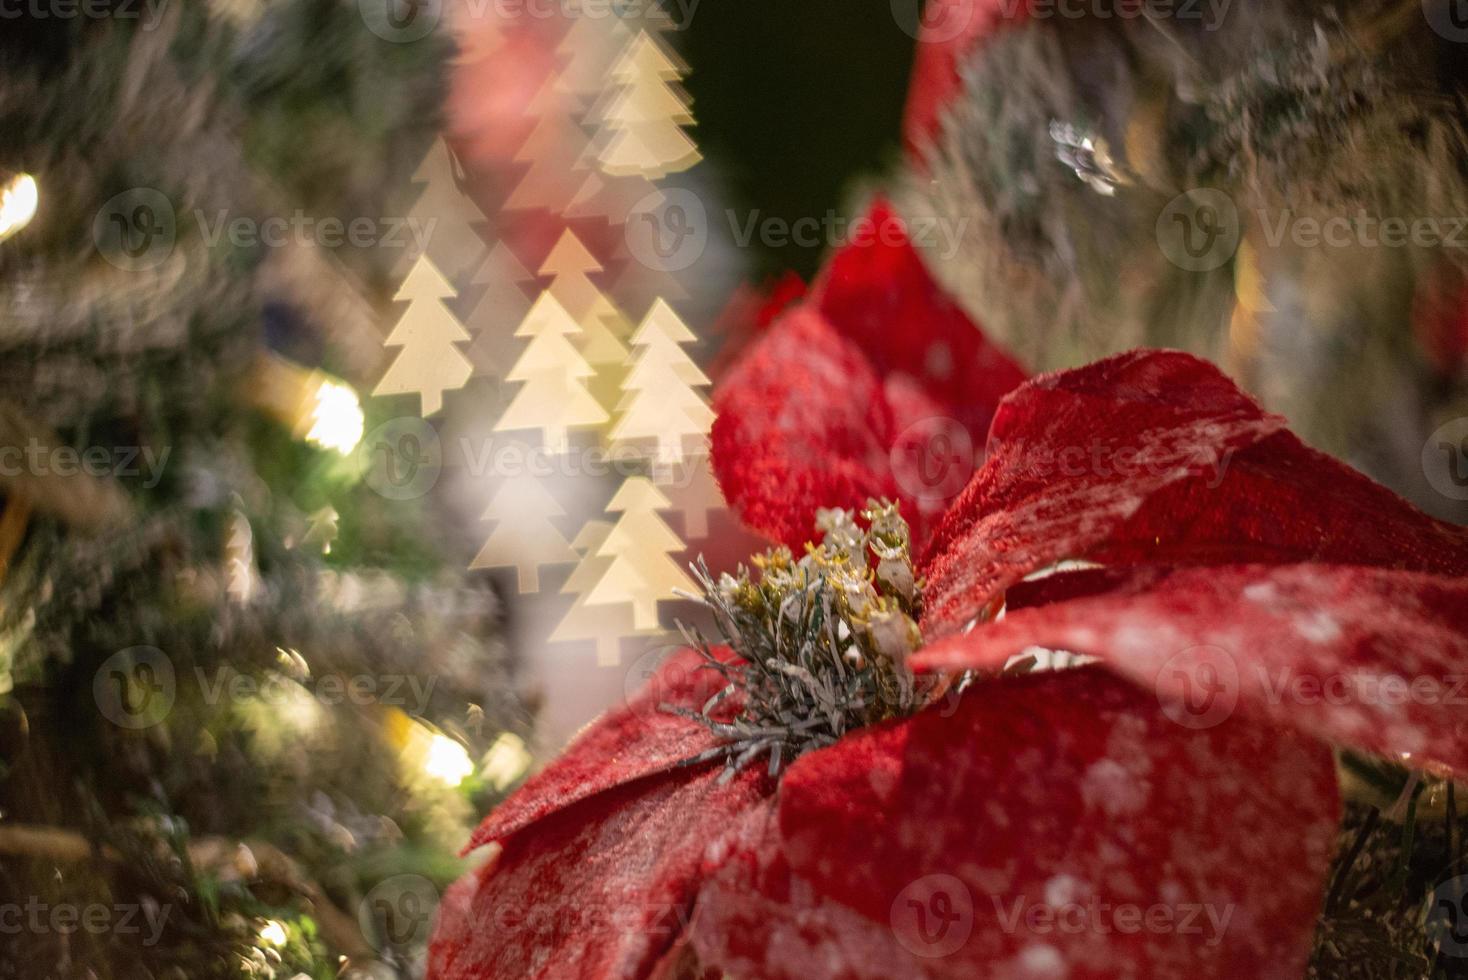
<point x="824" y="640"/>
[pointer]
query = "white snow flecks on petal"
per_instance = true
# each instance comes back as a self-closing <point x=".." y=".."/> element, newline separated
<point x="1318" y="627"/>
<point x="1108" y="786"/>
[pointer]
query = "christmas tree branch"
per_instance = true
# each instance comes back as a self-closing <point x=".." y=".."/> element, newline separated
<point x="264" y="861"/>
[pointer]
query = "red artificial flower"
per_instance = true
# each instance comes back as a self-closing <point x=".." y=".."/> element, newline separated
<point x="1168" y="811"/>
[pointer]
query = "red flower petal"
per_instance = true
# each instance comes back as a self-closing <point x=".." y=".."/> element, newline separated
<point x="600" y="889"/>
<point x="1370" y="658"/>
<point x="623" y="745"/>
<point x="1057" y="822"/>
<point x="748" y="314"/>
<point x="802" y="423"/>
<point x="831" y="405"/>
<point x="877" y="292"/>
<point x="1156" y="457"/>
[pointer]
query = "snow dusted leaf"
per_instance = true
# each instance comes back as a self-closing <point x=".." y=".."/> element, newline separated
<point x="625" y="744"/>
<point x="1156" y="457"/>
<point x="1053" y="825"/>
<point x="1370" y="658"/>
<point x="601" y="888"/>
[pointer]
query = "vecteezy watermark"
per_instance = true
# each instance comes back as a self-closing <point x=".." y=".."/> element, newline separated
<point x="669" y="230"/>
<point x="1447" y="917"/>
<point x="1088" y="914"/>
<point x="300" y="228"/>
<point x="147" y="12"/>
<point x="933" y="459"/>
<point x="536" y="924"/>
<point x="1198" y="687"/>
<point x="407" y="691"/>
<point x="1286" y="686"/>
<point x="1362" y="230"/>
<point x="937" y="22"/>
<point x="137" y="688"/>
<point x="940" y="235"/>
<point x="397" y="914"/>
<point x="510" y="458"/>
<point x="136" y="230"/>
<point x="1199" y="230"/>
<point x="404" y="21"/>
<point x="401" y="21"/>
<point x="139" y="228"/>
<point x="38" y="459"/>
<point x="933" y="916"/>
<point x="146" y="919"/>
<point x="940" y="22"/>
<point x="655" y="674"/>
<point x="677" y="14"/>
<point x="1449" y="18"/>
<point x="402" y="458"/>
<point x="1445" y="459"/>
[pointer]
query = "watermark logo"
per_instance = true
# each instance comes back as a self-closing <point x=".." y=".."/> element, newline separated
<point x="936" y="22"/>
<point x="1449" y="18"/>
<point x="299" y="228"/>
<point x="1199" y="229"/>
<point x="655" y="675"/>
<point x="1087" y="913"/>
<point x="135" y="688"/>
<point x="677" y="14"/>
<point x="39" y="459"/>
<point x="936" y="235"/>
<point x="148" y="12"/>
<point x="400" y="21"/>
<point x="64" y="918"/>
<point x="668" y="230"/>
<point x="933" y="459"/>
<point x="402" y="458"/>
<point x="396" y="916"/>
<point x="1447" y="917"/>
<point x="933" y="916"/>
<point x="1445" y="459"/>
<point x="136" y="229"/>
<point x="1362" y="230"/>
<point x="1198" y="687"/>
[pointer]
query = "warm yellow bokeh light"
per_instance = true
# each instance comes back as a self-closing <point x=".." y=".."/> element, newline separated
<point x="446" y="760"/>
<point x="506" y="761"/>
<point x="19" y="199"/>
<point x="273" y="933"/>
<point x="336" y="418"/>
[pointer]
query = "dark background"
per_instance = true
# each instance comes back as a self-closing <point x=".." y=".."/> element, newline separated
<point x="795" y="101"/>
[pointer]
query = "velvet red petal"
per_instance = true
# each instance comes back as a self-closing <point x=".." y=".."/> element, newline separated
<point x="625" y="744"/>
<point x="803" y="423"/>
<point x="877" y="292"/>
<point x="831" y="405"/>
<point x="1156" y="457"/>
<point x="1370" y="658"/>
<point x="946" y="846"/>
<point x="950" y="30"/>
<point x="603" y="888"/>
<point x="747" y="315"/>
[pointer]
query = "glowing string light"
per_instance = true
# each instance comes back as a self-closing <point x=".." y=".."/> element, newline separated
<point x="19" y="199"/>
